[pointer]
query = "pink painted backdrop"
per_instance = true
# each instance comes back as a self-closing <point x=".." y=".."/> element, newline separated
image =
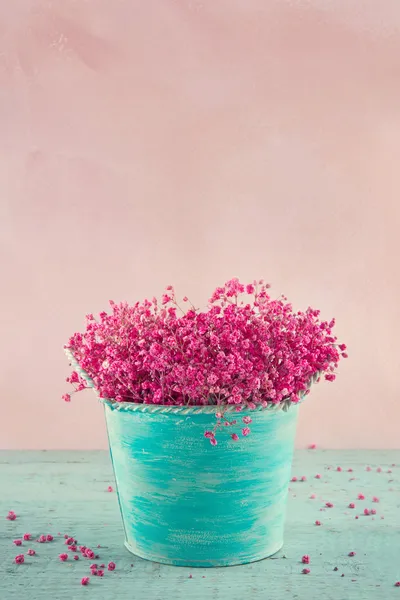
<point x="185" y="142"/>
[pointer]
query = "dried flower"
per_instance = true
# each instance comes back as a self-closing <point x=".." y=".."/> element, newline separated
<point x="329" y="504"/>
<point x="42" y="539"/>
<point x="313" y="496"/>
<point x="247" y="354"/>
<point x="339" y="469"/>
<point x="294" y="478"/>
<point x="100" y="573"/>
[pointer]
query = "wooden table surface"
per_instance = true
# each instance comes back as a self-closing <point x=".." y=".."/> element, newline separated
<point x="66" y="492"/>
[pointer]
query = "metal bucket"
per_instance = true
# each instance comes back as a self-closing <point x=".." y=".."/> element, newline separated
<point x="186" y="502"/>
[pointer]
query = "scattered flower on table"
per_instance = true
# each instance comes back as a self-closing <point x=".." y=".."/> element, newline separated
<point x="294" y="478"/>
<point x="111" y="566"/>
<point x="303" y="478"/>
<point x="49" y="537"/>
<point x="375" y="499"/>
<point x="17" y="542"/>
<point x="305" y="559"/>
<point x="397" y="584"/>
<point x="368" y="469"/>
<point x="89" y="553"/>
<point x="329" y="504"/>
<point x="339" y="469"/>
<point x="373" y="511"/>
<point x="235" y="437"/>
<point x="100" y="573"/>
<point x="63" y="557"/>
<point x="312" y="446"/>
<point x="366" y="511"/>
<point x="110" y="488"/>
<point x="19" y="559"/>
<point x="27" y="536"/>
<point x="318" y="476"/>
<point x="31" y="552"/>
<point x="379" y="470"/>
<point x="42" y="539"/>
<point x="352" y="505"/>
<point x="85" y="580"/>
<point x="312" y="497"/>
<point x="318" y="523"/>
<point x="306" y="571"/>
<point x="352" y="553"/>
<point x="11" y="515"/>
<point x="361" y="497"/>
<point x="76" y="557"/>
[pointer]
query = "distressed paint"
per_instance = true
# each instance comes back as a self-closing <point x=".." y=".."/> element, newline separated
<point x="185" y="502"/>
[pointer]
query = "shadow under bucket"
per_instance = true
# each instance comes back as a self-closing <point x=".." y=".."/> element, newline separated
<point x="185" y="502"/>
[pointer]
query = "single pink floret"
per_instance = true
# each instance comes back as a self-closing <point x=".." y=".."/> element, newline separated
<point x="42" y="539"/>
<point x="313" y="496"/>
<point x="361" y="497"/>
<point x="294" y="478"/>
<point x="235" y="437"/>
<point x="352" y="505"/>
<point x="312" y="446"/>
<point x="213" y="441"/>
<point x="305" y="559"/>
<point x="17" y="542"/>
<point x="11" y="515"/>
<point x="245" y="431"/>
<point x="31" y="552"/>
<point x="329" y="504"/>
<point x="19" y="559"/>
<point x="89" y="553"/>
<point x="27" y="536"/>
<point x="110" y="488"/>
<point x="318" y="476"/>
<point x="49" y="538"/>
<point x="318" y="523"/>
<point x="352" y="553"/>
<point x="85" y="580"/>
<point x="375" y="499"/>
<point x="373" y="511"/>
<point x="100" y="573"/>
<point x="111" y="566"/>
<point x="306" y="571"/>
<point x="76" y="557"/>
<point x="63" y="557"/>
<point x="303" y="478"/>
<point x="366" y="511"/>
<point x="397" y="584"/>
<point x="339" y="469"/>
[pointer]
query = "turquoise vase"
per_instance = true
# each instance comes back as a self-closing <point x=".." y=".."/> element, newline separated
<point x="185" y="502"/>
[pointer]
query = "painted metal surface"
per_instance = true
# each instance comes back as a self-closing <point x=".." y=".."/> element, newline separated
<point x="186" y="502"/>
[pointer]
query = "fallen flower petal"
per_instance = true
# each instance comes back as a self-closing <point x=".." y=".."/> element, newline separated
<point x="318" y="522"/>
<point x="352" y="553"/>
<point x="329" y="504"/>
<point x="31" y="552"/>
<point x="110" y="488"/>
<point x="306" y="571"/>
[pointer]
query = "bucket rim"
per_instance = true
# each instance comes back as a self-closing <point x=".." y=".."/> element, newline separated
<point x="186" y="409"/>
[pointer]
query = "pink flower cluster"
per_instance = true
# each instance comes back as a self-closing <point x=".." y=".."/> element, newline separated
<point x="239" y="351"/>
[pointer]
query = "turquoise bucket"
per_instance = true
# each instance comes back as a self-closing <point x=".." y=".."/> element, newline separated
<point x="185" y="502"/>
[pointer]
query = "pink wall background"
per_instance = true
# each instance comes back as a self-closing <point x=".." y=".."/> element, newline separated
<point x="185" y="142"/>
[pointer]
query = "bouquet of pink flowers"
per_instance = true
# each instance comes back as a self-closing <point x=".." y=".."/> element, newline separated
<point x="246" y="349"/>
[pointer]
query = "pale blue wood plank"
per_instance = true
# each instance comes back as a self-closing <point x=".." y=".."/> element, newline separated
<point x="68" y="490"/>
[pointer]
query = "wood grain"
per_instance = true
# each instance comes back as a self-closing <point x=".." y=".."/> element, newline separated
<point x="66" y="492"/>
